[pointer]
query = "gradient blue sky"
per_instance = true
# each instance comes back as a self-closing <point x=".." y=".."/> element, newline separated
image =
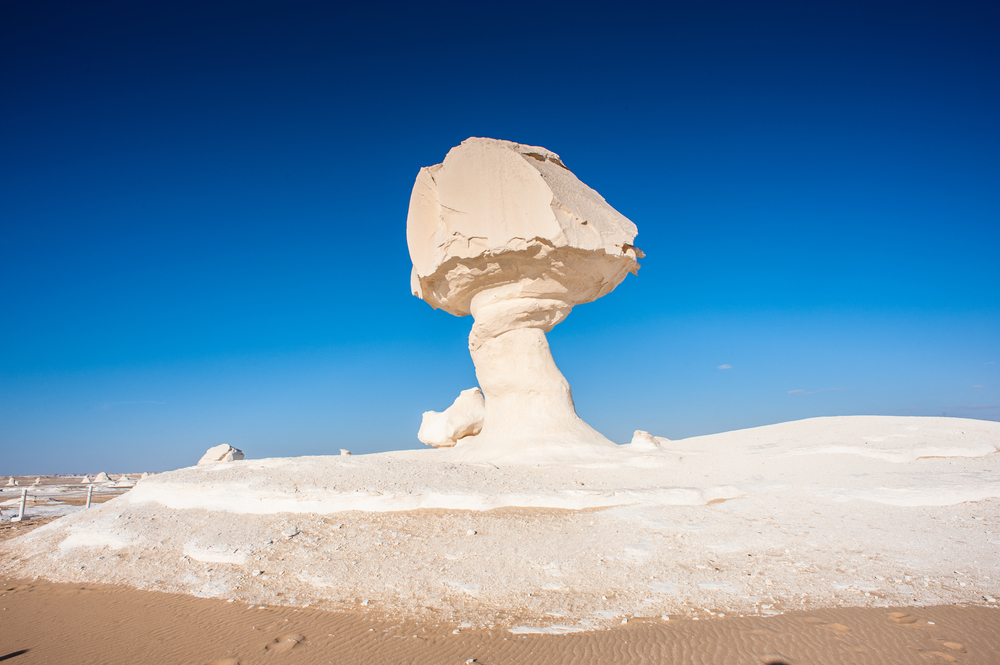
<point x="203" y="209"/>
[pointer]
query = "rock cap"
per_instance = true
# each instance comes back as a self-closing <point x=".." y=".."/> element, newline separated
<point x="496" y="212"/>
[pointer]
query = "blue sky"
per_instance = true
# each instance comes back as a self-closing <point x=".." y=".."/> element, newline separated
<point x="203" y="209"/>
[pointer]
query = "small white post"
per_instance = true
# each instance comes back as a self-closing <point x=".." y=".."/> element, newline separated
<point x="24" y="500"/>
<point x="90" y="493"/>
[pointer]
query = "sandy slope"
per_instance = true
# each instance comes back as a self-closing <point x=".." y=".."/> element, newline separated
<point x="97" y="624"/>
<point x="860" y="511"/>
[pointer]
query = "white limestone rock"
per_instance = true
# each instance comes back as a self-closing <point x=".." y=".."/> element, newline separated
<point x="497" y="212"/>
<point x="102" y="478"/>
<point x="644" y="441"/>
<point x="221" y="453"/>
<point x="463" y="418"/>
<point x="86" y="479"/>
<point x="11" y="482"/>
<point x="507" y="233"/>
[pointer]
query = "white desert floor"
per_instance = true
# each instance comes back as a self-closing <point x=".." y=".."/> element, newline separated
<point x="846" y="511"/>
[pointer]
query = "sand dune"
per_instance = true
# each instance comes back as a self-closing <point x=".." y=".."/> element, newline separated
<point x="97" y="624"/>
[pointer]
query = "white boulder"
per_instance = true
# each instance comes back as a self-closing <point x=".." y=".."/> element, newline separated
<point x="644" y="441"/>
<point x="221" y="453"/>
<point x="463" y="418"/>
<point x="506" y="233"/>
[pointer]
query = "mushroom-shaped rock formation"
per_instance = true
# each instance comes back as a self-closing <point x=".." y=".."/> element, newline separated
<point x="507" y="233"/>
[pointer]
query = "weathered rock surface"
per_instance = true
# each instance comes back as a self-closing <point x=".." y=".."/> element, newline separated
<point x="507" y="233"/>
<point x="463" y="418"/>
<point x="869" y="511"/>
<point x="221" y="453"/>
<point x="497" y="212"/>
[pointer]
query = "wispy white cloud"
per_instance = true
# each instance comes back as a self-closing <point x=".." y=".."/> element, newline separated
<point x="725" y="366"/>
<point x="810" y="392"/>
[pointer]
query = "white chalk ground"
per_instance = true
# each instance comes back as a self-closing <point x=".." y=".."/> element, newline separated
<point x="48" y="499"/>
<point x="856" y="511"/>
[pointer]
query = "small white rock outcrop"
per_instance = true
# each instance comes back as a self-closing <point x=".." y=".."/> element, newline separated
<point x="86" y="479"/>
<point x="221" y="453"/>
<point x="643" y="441"/>
<point x="102" y="478"/>
<point x="11" y="482"/>
<point x="463" y="418"/>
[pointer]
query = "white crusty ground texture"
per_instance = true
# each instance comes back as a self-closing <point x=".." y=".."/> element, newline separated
<point x="856" y="511"/>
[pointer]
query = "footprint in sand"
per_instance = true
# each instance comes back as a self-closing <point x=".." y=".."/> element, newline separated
<point x="838" y="628"/>
<point x="943" y="655"/>
<point x="284" y="643"/>
<point x="775" y="659"/>
<point x="902" y="618"/>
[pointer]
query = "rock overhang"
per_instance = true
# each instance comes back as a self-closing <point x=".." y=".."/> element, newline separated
<point x="497" y="212"/>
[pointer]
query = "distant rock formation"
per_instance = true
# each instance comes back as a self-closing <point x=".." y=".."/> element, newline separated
<point x="11" y="482"/>
<point x="221" y="453"/>
<point x="86" y="479"/>
<point x="102" y="478"/>
<point x="643" y="440"/>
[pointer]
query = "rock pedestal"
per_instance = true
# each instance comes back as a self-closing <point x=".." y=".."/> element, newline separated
<point x="506" y="233"/>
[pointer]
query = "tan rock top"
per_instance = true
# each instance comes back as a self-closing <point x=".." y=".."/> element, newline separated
<point x="497" y="212"/>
